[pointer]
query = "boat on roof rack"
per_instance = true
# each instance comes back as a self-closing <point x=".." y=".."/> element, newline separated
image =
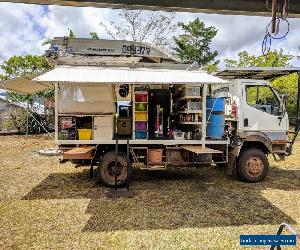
<point x="94" y="52"/>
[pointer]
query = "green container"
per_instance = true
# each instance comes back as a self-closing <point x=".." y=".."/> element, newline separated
<point x="141" y="107"/>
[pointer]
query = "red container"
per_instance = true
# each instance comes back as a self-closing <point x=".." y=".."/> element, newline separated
<point x="155" y="156"/>
<point x="141" y="97"/>
<point x="141" y="125"/>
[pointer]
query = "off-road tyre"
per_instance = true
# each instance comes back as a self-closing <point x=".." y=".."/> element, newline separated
<point x="252" y="165"/>
<point x="106" y="168"/>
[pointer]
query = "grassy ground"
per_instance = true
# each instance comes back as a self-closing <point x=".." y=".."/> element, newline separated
<point x="47" y="205"/>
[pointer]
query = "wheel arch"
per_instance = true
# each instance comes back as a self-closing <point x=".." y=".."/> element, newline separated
<point x="259" y="141"/>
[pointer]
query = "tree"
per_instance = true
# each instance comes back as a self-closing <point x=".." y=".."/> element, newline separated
<point x="142" y="26"/>
<point x="194" y="44"/>
<point x="71" y="34"/>
<point x="18" y="66"/>
<point x="272" y="59"/>
<point x="285" y="84"/>
<point x="94" y="35"/>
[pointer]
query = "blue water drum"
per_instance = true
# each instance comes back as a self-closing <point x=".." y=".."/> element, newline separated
<point x="215" y="116"/>
<point x="215" y="126"/>
<point x="215" y="104"/>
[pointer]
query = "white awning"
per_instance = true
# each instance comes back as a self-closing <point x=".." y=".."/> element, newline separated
<point x="108" y="75"/>
<point x="25" y="85"/>
<point x="127" y="75"/>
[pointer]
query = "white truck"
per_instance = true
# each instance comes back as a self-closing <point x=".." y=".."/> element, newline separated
<point x="121" y="104"/>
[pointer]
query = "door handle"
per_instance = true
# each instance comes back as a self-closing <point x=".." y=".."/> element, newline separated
<point x="246" y="122"/>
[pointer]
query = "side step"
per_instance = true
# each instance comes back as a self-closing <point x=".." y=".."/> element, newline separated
<point x="200" y="150"/>
<point x="79" y="153"/>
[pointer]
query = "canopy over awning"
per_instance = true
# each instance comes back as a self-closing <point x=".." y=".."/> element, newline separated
<point x="127" y="75"/>
<point x="112" y="75"/>
<point x="25" y="85"/>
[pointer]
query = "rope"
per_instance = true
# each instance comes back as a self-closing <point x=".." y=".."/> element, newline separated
<point x="27" y="111"/>
<point x="281" y="17"/>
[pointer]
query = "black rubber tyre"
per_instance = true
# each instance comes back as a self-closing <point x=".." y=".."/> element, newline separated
<point x="252" y="165"/>
<point x="106" y="170"/>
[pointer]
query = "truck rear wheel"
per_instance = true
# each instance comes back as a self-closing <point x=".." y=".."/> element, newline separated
<point x="107" y="172"/>
<point x="253" y="165"/>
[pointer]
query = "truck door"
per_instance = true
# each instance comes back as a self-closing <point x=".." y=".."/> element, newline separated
<point x="261" y="111"/>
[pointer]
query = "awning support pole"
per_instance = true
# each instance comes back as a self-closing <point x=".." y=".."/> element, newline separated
<point x="298" y="106"/>
<point x="204" y="91"/>
<point x="27" y="120"/>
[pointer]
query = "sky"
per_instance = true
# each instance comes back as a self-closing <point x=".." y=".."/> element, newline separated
<point x="23" y="28"/>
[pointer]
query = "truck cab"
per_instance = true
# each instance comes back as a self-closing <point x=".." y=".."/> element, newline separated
<point x="261" y="121"/>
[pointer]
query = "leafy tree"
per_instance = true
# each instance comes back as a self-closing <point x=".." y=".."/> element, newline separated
<point x="272" y="59"/>
<point x="18" y="66"/>
<point x="71" y="34"/>
<point x="285" y="84"/>
<point x="194" y="44"/>
<point x="94" y="35"/>
<point x="142" y="26"/>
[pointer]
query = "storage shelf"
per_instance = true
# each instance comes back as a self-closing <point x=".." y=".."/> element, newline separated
<point x="190" y="112"/>
<point x="190" y="123"/>
<point x="188" y="97"/>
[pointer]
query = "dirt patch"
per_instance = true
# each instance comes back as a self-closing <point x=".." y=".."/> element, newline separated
<point x="47" y="205"/>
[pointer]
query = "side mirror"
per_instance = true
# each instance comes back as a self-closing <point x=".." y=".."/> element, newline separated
<point x="283" y="98"/>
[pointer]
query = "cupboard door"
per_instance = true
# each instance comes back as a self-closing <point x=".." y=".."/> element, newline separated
<point x="103" y="127"/>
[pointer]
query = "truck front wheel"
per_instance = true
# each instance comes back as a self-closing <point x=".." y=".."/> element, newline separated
<point x="253" y="165"/>
<point x="108" y="172"/>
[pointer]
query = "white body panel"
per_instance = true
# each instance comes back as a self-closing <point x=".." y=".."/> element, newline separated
<point x="273" y="126"/>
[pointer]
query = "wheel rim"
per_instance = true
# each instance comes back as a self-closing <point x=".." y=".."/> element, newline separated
<point x="254" y="166"/>
<point x="109" y="172"/>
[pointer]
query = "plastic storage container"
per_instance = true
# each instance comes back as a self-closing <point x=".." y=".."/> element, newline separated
<point x="141" y="116"/>
<point x="141" y="107"/>
<point x="193" y="105"/>
<point x="178" y="135"/>
<point x="155" y="156"/>
<point x="192" y="91"/>
<point x="140" y="135"/>
<point x="84" y="134"/>
<point x="141" y="97"/>
<point x="141" y="125"/>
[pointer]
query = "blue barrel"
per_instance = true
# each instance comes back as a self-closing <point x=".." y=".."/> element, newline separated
<point x="215" y="104"/>
<point x="215" y="125"/>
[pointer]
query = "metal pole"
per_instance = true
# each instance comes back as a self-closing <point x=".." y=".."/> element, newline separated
<point x="116" y="163"/>
<point x="128" y="161"/>
<point x="27" y="120"/>
<point x="298" y="106"/>
<point x="56" y="114"/>
<point x="204" y="89"/>
<point x="274" y="6"/>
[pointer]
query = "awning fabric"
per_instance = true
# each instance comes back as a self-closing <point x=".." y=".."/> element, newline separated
<point x="25" y="85"/>
<point x="107" y="75"/>
<point x="127" y="75"/>
<point x="256" y="73"/>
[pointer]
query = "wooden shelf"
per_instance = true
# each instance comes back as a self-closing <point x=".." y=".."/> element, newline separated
<point x="190" y="123"/>
<point x="188" y="98"/>
<point x="190" y="112"/>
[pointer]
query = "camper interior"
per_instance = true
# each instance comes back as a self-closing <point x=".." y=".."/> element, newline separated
<point x="102" y="112"/>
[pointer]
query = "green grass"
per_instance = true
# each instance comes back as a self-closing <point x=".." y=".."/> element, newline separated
<point x="47" y="205"/>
